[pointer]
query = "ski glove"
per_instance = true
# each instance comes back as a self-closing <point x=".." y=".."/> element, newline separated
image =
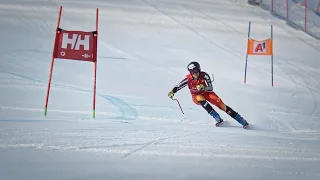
<point x="200" y="87"/>
<point x="171" y="94"/>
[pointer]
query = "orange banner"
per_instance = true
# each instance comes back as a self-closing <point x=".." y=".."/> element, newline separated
<point x="263" y="48"/>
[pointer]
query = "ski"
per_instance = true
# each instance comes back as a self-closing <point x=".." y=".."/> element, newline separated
<point x="247" y="126"/>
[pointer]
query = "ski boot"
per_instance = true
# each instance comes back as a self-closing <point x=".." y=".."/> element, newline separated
<point x="217" y="117"/>
<point x="242" y="121"/>
<point x="218" y="123"/>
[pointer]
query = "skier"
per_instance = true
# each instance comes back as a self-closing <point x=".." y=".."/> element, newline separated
<point x="201" y="89"/>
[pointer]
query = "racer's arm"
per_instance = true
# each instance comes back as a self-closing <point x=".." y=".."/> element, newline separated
<point x="181" y="85"/>
<point x="208" y="82"/>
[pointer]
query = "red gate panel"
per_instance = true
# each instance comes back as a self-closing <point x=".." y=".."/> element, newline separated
<point x="75" y="45"/>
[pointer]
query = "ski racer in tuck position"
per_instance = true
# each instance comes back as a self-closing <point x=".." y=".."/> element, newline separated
<point x="200" y="86"/>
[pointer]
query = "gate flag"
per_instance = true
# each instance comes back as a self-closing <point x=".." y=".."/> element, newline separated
<point x="75" y="45"/>
<point x="259" y="48"/>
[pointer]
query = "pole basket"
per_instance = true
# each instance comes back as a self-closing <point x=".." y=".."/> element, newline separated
<point x="75" y="45"/>
<point x="259" y="48"/>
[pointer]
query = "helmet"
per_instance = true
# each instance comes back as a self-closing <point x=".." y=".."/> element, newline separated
<point x="194" y="67"/>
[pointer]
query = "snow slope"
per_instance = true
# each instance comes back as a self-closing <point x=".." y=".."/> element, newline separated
<point x="139" y="133"/>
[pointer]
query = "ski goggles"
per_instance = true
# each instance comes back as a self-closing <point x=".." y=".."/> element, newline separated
<point x="194" y="71"/>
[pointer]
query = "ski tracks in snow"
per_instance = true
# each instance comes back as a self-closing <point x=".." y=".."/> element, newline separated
<point x="127" y="111"/>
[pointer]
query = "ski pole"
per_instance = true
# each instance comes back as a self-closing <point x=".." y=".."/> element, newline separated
<point x="178" y="104"/>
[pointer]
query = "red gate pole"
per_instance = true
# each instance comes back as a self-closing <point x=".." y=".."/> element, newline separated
<point x="305" y="15"/>
<point x="52" y="64"/>
<point x="95" y="67"/>
<point x="287" y="9"/>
